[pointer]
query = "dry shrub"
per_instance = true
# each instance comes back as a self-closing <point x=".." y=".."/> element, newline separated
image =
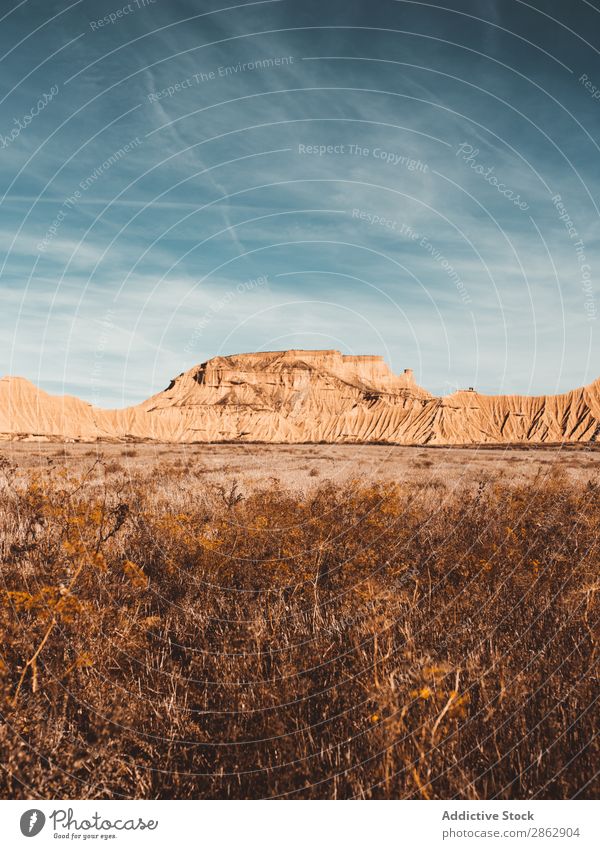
<point x="112" y="466"/>
<point x="167" y="638"/>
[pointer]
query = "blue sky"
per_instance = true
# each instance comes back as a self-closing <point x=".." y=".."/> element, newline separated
<point x="182" y="180"/>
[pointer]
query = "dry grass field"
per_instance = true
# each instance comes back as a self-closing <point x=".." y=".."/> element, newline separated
<point x="300" y="467"/>
<point x="298" y="621"/>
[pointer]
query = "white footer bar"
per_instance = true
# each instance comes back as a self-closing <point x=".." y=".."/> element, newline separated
<point x="302" y="825"/>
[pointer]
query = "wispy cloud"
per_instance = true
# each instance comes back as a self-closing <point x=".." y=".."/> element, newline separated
<point x="360" y="253"/>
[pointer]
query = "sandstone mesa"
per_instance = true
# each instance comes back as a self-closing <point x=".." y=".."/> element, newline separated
<point x="302" y="396"/>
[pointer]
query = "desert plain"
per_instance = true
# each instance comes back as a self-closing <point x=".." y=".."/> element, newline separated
<point x="303" y="467"/>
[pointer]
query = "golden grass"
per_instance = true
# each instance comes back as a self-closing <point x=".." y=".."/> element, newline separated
<point x="168" y="636"/>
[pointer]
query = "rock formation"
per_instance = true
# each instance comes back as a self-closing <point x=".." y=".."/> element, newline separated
<point x="303" y="396"/>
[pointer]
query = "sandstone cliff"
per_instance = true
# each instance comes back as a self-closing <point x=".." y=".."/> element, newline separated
<point x="303" y="396"/>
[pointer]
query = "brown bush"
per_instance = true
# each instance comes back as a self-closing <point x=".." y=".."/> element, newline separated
<point x="165" y="638"/>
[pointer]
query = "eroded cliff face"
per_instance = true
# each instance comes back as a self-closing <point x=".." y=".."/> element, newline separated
<point x="303" y="396"/>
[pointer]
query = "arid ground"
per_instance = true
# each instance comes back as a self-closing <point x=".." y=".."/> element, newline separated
<point x="301" y="467"/>
<point x="309" y="621"/>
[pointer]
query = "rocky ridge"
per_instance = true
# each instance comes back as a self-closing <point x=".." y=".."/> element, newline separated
<point x="303" y="396"/>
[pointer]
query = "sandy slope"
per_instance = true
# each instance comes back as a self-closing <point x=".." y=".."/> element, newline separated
<point x="303" y="396"/>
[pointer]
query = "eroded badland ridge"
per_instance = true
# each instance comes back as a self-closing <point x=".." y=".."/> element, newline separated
<point x="303" y="396"/>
